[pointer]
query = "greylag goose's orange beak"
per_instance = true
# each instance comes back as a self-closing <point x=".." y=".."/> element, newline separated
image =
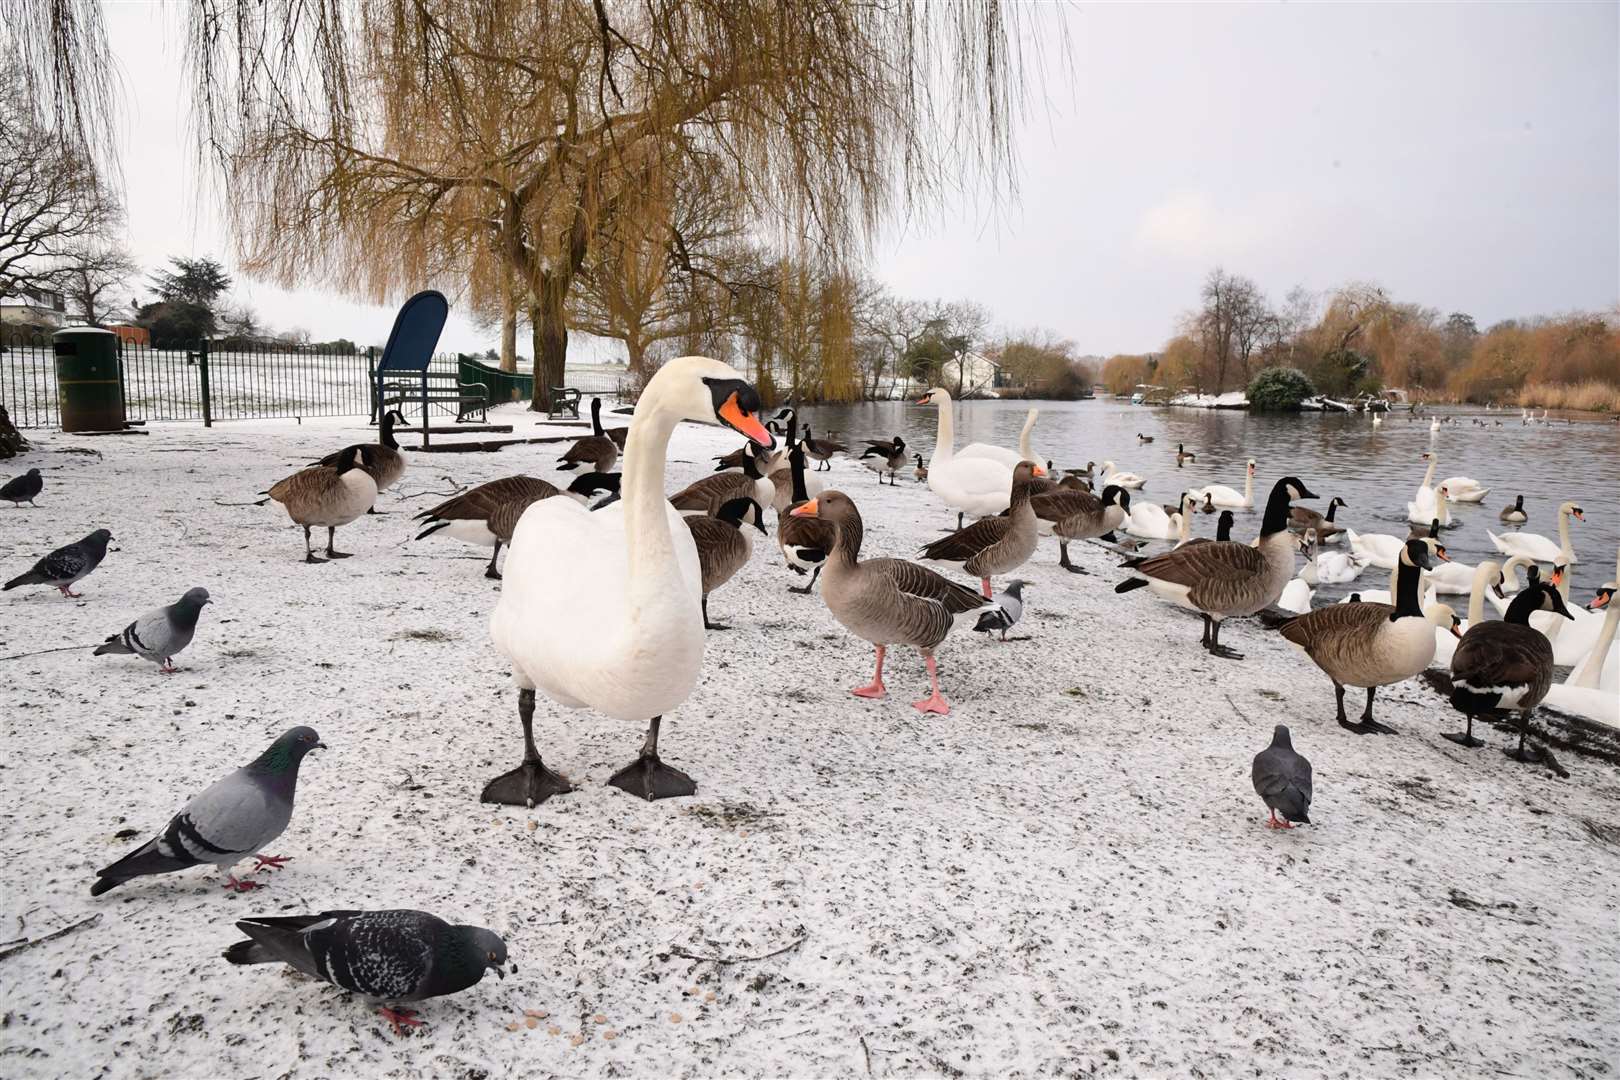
<point x="745" y="423"/>
<point x="805" y="509"/>
<point x="1039" y="471"/>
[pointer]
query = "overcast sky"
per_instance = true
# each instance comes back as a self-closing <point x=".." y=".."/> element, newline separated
<point x="1464" y="156"/>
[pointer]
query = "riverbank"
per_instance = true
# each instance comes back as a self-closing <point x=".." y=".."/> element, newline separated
<point x="1066" y="874"/>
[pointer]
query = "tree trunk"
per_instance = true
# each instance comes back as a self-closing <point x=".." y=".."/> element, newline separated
<point x="508" y="330"/>
<point x="550" y="327"/>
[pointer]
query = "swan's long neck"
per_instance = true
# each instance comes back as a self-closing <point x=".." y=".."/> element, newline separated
<point x="945" y="436"/>
<point x="1563" y="536"/>
<point x="1186" y="519"/>
<point x="1428" y="477"/>
<point x="1248" y="486"/>
<point x="1023" y="436"/>
<point x="1589" y="675"/>
<point x="650" y="545"/>
<point x="1476" y="596"/>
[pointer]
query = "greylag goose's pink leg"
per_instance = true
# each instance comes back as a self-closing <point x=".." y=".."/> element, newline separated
<point x="876" y="689"/>
<point x="934" y="703"/>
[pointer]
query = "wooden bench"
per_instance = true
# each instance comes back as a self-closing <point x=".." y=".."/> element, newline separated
<point x="564" y="402"/>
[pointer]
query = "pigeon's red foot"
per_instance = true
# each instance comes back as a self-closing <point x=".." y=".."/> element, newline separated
<point x="402" y="1019"/>
<point x="233" y="884"/>
<point x="1275" y="822"/>
<point x="67" y="591"/>
<point x="271" y="862"/>
<point x="168" y="668"/>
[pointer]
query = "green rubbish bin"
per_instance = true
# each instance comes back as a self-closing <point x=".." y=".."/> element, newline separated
<point x="87" y="384"/>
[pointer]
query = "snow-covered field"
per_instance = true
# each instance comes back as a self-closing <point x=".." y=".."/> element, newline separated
<point x="1066" y="876"/>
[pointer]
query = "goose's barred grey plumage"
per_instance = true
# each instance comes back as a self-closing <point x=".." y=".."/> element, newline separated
<point x="161" y="634"/>
<point x="237" y="816"/>
<point x="1282" y="779"/>
<point x="385" y="956"/>
<point x="22" y="489"/>
<point x="66" y="565"/>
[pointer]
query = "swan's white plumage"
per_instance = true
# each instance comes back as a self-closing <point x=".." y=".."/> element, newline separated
<point x="1380" y="549"/>
<point x="976" y="486"/>
<point x="1221" y="495"/>
<point x="1001" y="454"/>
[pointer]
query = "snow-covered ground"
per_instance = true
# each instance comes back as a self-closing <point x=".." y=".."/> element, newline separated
<point x="1067" y="875"/>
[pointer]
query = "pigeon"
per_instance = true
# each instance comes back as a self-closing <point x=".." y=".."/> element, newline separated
<point x="233" y="819"/>
<point x="1283" y="779"/>
<point x="62" y="567"/>
<point x="385" y="956"/>
<point x="161" y="633"/>
<point x="1008" y="610"/>
<point x="22" y="489"/>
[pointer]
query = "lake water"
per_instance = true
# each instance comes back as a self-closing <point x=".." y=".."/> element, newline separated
<point x="1375" y="470"/>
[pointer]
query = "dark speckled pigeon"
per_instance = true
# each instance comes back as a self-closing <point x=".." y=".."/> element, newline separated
<point x="385" y="956"/>
<point x="1283" y="779"/>
<point x="62" y="567"/>
<point x="22" y="489"/>
<point x="236" y="817"/>
<point x="160" y="634"/>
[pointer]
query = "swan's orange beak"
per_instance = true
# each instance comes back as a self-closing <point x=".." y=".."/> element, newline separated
<point x="1440" y="553"/>
<point x="923" y="400"/>
<point x="805" y="509"/>
<point x="1557" y="577"/>
<point x="1580" y="515"/>
<point x="1456" y="633"/>
<point x="745" y="423"/>
<point x="1602" y="600"/>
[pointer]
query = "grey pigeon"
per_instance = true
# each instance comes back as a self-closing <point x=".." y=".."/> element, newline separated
<point x="160" y="634"/>
<point x="1008" y="610"/>
<point x="62" y="567"/>
<point x="235" y="818"/>
<point x="22" y="489"/>
<point x="1283" y="779"/>
<point x="384" y="956"/>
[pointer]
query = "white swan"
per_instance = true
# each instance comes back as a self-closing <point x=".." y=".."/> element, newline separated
<point x="1501" y="596"/>
<point x="1485" y="576"/>
<point x="1338" y="567"/>
<point x="1148" y="520"/>
<point x="1464" y="489"/>
<point x="1538" y="548"/>
<point x="1422" y="513"/>
<point x="601" y="609"/>
<point x="1452" y="578"/>
<point x="1425" y="491"/>
<point x="1434" y="427"/>
<point x="1221" y="495"/>
<point x="1298" y="593"/>
<point x="1572" y="642"/>
<point x="1593" y="687"/>
<point x="976" y="485"/>
<point x="1121" y="479"/>
<point x="1001" y="454"/>
<point x="1380" y="549"/>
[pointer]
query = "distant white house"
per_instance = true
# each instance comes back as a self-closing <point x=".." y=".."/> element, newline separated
<point x="974" y="375"/>
<point x="41" y="309"/>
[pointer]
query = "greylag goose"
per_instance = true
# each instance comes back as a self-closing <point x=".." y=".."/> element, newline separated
<point x="383" y="460"/>
<point x="724" y="545"/>
<point x="597" y="449"/>
<point x="487" y="514"/>
<point x="804" y="541"/>
<point x="1221" y="580"/>
<point x="1080" y="515"/>
<point x="601" y="609"/>
<point x="329" y="496"/>
<point x="1514" y="515"/>
<point x="994" y="545"/>
<point x="887" y="601"/>
<point x="1505" y="665"/>
<point x="821" y="450"/>
<point x="1301" y="518"/>
<point x="885" y="457"/>
<point x="1372" y="645"/>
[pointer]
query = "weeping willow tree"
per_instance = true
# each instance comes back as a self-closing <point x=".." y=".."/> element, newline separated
<point x="380" y="145"/>
<point x="56" y="56"/>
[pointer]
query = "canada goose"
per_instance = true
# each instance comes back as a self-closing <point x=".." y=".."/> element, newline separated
<point x="1282" y="779"/>
<point x="821" y="450"/>
<point x="1221" y="495"/>
<point x="1505" y="665"/>
<point x="1087" y="473"/>
<point x="1008" y="459"/>
<point x="329" y="495"/>
<point x="707" y="495"/>
<point x="603" y="609"/>
<point x="382" y="460"/>
<point x="1223" y="525"/>
<point x="1301" y="518"/>
<point x="1429" y="531"/>
<point x="1222" y="580"/>
<point x="487" y="514"/>
<point x="724" y="545"/>
<point x="968" y="485"/>
<point x="1514" y="515"/>
<point x="885" y="457"/>
<point x="804" y="541"/>
<point x="1437" y="510"/>
<point x="887" y="601"/>
<point x="597" y="449"/>
<point x="1539" y="548"/>
<point x="1143" y="439"/>
<point x="735" y="459"/>
<point x="1080" y="515"/>
<point x="995" y="545"/>
<point x="1372" y="645"/>
<point x="921" y="471"/>
<point x="1182" y="456"/>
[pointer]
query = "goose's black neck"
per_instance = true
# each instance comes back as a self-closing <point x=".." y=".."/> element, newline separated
<point x="385" y="432"/>
<point x="1523" y="605"/>
<point x="1277" y="507"/>
<point x="1333" y="508"/>
<point x="1406" y="591"/>
<point x="596" y="416"/>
